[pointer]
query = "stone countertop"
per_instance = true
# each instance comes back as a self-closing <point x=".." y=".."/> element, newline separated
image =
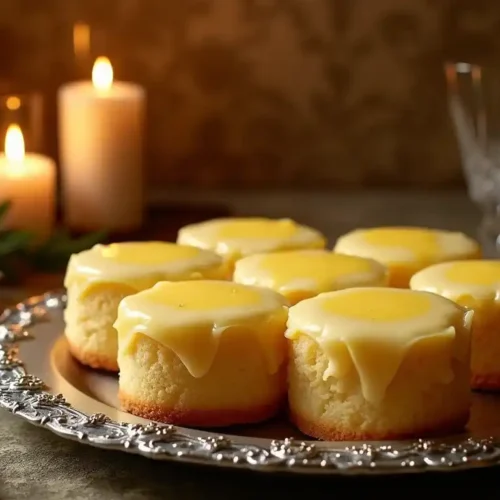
<point x="34" y="464"/>
<point x="335" y="213"/>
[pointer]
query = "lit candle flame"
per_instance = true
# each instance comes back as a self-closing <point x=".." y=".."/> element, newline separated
<point x="102" y="74"/>
<point x="14" y="144"/>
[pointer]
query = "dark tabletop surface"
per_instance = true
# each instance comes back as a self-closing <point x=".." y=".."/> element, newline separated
<point x="35" y="464"/>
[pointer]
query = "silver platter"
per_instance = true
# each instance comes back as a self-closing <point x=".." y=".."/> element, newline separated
<point x="42" y="384"/>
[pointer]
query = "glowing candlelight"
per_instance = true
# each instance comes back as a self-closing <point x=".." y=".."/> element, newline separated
<point x="14" y="144"/>
<point x="100" y="137"/>
<point x="28" y="181"/>
<point x="102" y="74"/>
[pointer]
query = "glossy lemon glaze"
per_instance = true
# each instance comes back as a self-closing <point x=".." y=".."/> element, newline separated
<point x="301" y="274"/>
<point x="372" y="305"/>
<point x="190" y="317"/>
<point x="406" y="250"/>
<point x="139" y="265"/>
<point x="371" y="330"/>
<point x="420" y="241"/>
<point x="234" y="238"/>
<point x="476" y="273"/>
<point x="465" y="281"/>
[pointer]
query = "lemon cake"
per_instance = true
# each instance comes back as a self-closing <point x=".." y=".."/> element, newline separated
<point x="378" y="363"/>
<point x="474" y="284"/>
<point x="407" y="250"/>
<point x="233" y="238"/>
<point x="206" y="353"/>
<point x="99" y="278"/>
<point x="302" y="274"/>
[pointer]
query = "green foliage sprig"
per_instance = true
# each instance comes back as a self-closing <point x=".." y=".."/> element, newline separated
<point x="19" y="253"/>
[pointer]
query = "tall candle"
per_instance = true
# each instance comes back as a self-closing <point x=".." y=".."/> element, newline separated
<point x="27" y="180"/>
<point x="100" y="135"/>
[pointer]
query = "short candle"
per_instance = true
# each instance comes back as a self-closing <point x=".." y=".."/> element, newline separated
<point x="27" y="180"/>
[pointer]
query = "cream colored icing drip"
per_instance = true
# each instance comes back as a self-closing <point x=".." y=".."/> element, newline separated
<point x="430" y="246"/>
<point x="235" y="237"/>
<point x="190" y="318"/>
<point x="375" y="345"/>
<point x="140" y="265"/>
<point x="479" y="279"/>
<point x="312" y="271"/>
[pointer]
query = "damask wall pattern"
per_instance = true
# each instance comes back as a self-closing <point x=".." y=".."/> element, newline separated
<point x="252" y="93"/>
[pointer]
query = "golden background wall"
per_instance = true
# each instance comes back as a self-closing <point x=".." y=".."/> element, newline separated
<point x="251" y="93"/>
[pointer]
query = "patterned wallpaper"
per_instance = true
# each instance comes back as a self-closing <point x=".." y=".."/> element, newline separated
<point x="267" y="92"/>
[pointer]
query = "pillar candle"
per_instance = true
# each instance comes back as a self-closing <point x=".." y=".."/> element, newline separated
<point x="101" y="138"/>
<point x="27" y="180"/>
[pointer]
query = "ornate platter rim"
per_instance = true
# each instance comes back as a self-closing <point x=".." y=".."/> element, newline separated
<point x="25" y="395"/>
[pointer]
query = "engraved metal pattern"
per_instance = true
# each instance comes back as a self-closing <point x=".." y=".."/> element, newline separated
<point x="25" y="395"/>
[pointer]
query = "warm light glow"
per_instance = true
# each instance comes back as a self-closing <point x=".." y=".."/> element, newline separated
<point x="14" y="144"/>
<point x="102" y="74"/>
<point x="13" y="103"/>
<point x="81" y="39"/>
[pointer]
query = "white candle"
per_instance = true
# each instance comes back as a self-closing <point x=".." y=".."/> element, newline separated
<point x="100" y="134"/>
<point x="28" y="182"/>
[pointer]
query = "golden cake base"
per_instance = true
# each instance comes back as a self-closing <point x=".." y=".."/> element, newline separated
<point x="95" y="391"/>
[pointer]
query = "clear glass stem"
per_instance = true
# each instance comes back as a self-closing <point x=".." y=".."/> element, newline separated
<point x="489" y="234"/>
